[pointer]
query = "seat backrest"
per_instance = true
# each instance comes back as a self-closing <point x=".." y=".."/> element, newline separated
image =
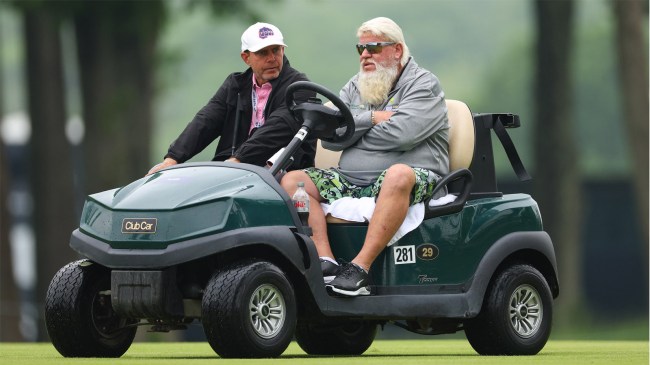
<point x="461" y="139"/>
<point x="326" y="158"/>
<point x="461" y="135"/>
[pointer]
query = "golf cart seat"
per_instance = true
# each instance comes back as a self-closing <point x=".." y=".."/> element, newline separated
<point x="326" y="158"/>
<point x="461" y="135"/>
<point x="461" y="151"/>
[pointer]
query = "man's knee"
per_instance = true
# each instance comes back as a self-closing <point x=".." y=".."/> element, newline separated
<point x="400" y="177"/>
<point x="291" y="178"/>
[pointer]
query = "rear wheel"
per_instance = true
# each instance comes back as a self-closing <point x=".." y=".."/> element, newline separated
<point x="338" y="338"/>
<point x="249" y="310"/>
<point x="79" y="316"/>
<point x="516" y="315"/>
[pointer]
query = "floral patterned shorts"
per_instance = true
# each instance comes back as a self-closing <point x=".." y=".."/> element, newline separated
<point x="333" y="186"/>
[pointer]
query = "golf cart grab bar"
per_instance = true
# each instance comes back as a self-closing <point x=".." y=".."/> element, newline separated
<point x="464" y="176"/>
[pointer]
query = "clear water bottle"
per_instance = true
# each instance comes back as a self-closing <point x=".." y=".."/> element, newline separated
<point x="301" y="203"/>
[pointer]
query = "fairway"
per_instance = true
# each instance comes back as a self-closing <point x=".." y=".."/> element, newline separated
<point x="394" y="352"/>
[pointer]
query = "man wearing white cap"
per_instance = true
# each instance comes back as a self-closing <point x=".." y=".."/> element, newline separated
<point x="248" y="112"/>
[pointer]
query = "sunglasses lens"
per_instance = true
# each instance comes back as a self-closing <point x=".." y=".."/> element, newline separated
<point x="372" y="48"/>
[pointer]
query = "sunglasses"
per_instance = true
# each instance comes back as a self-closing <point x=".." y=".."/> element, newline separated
<point x="372" y="47"/>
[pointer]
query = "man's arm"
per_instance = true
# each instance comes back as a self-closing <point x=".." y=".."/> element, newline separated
<point x="376" y="117"/>
<point x="277" y="131"/>
<point x="421" y="112"/>
<point x="362" y="121"/>
<point x="206" y="126"/>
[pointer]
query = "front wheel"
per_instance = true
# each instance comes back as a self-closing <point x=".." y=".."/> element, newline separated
<point x="249" y="311"/>
<point x="516" y="315"/>
<point x="336" y="338"/>
<point x="79" y="316"/>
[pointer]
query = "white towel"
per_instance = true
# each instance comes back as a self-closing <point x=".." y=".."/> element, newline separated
<point x="361" y="209"/>
<point x="442" y="200"/>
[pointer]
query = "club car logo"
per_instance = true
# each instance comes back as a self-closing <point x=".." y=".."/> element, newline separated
<point x="139" y="225"/>
<point x="265" y="32"/>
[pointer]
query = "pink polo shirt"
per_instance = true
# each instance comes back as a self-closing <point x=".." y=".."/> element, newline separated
<point x="260" y="96"/>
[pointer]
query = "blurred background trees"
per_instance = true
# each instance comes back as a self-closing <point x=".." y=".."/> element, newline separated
<point x="557" y="182"/>
<point x="107" y="86"/>
<point x="632" y="58"/>
<point x="50" y="166"/>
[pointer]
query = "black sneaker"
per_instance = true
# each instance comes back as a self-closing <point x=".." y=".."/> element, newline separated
<point x="351" y="280"/>
<point x="330" y="270"/>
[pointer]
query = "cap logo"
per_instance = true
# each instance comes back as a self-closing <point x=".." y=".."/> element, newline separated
<point x="265" y="32"/>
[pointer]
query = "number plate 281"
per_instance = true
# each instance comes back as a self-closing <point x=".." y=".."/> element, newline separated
<point x="404" y="254"/>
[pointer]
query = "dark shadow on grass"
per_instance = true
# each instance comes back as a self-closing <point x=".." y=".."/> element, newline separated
<point x="301" y="356"/>
<point x="305" y="356"/>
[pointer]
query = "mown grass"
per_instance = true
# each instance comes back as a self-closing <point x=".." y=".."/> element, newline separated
<point x="393" y="352"/>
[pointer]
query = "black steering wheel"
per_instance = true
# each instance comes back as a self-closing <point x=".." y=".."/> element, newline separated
<point x="324" y="122"/>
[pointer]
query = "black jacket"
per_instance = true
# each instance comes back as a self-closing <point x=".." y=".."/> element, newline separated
<point x="217" y="119"/>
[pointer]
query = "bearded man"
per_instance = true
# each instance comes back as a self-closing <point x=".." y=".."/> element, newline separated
<point x="398" y="152"/>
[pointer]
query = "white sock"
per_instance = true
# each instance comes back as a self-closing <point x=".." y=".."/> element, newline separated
<point x="329" y="259"/>
<point x="360" y="267"/>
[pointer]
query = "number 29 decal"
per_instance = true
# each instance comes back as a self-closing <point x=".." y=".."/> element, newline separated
<point x="427" y="251"/>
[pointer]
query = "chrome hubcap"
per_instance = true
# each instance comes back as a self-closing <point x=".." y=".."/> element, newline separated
<point x="526" y="311"/>
<point x="267" y="310"/>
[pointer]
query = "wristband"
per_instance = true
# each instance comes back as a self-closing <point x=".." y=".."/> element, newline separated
<point x="372" y="117"/>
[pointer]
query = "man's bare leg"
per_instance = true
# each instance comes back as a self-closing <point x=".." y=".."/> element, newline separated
<point x="391" y="209"/>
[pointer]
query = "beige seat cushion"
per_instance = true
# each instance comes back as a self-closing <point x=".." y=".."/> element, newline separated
<point x="461" y="135"/>
<point x="326" y="158"/>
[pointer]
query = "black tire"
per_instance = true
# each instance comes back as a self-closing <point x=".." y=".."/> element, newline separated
<point x="249" y="311"/>
<point x="342" y="338"/>
<point x="79" y="316"/>
<point x="516" y="316"/>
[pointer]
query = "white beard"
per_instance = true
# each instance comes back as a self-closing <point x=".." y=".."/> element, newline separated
<point x="374" y="86"/>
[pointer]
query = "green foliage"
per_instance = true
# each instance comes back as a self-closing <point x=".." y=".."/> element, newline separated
<point x="11" y="66"/>
<point x="597" y="121"/>
<point x="225" y="8"/>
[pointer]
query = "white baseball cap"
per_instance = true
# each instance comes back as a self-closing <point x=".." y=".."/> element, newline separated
<point x="260" y="35"/>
